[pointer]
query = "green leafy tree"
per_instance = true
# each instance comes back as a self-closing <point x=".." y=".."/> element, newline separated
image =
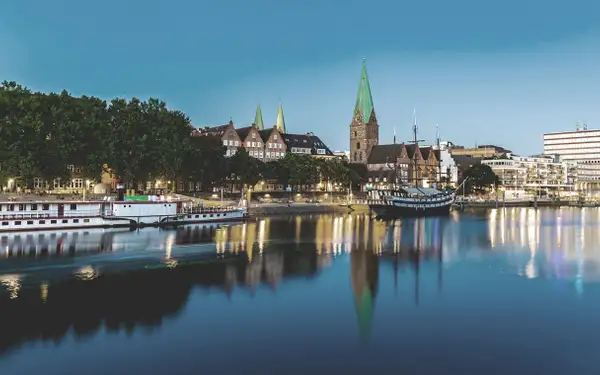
<point x="479" y="177"/>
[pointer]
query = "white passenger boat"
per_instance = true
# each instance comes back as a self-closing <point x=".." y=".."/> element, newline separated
<point x="52" y="215"/>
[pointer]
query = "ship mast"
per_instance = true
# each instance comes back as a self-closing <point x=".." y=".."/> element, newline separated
<point x="437" y="136"/>
<point x="416" y="143"/>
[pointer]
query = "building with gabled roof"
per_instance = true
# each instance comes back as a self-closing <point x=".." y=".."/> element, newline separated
<point x="308" y="144"/>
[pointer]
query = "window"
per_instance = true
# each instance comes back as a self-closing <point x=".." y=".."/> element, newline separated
<point x="34" y="207"/>
<point x="17" y="223"/>
<point x="21" y="207"/>
<point x="260" y="154"/>
<point x="45" y="206"/>
<point x="4" y="223"/>
<point x="29" y="222"/>
<point x="237" y="143"/>
<point x="86" y="220"/>
<point x="268" y="155"/>
<point x="39" y="183"/>
<point x="42" y="222"/>
<point x="73" y="207"/>
<point x="253" y="144"/>
<point x="275" y="137"/>
<point x="321" y="151"/>
<point x="52" y="221"/>
<point x="253" y="135"/>
<point x="65" y="221"/>
<point x="57" y="183"/>
<point x="76" y="220"/>
<point x="224" y="142"/>
<point x="230" y="142"/>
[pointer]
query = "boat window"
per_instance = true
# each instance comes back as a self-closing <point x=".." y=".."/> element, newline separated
<point x="11" y="207"/>
<point x="73" y="206"/>
<point x="34" y="207"/>
<point x="197" y="216"/>
<point x="21" y="207"/>
<point x="42" y="221"/>
<point x="86" y="220"/>
<point x="17" y="223"/>
<point x="189" y="216"/>
<point x="4" y="223"/>
<point x="52" y="221"/>
<point x="211" y="215"/>
<point x="65" y="221"/>
<point x="76" y="220"/>
<point x="204" y="215"/>
<point x="45" y="206"/>
<point x="29" y="222"/>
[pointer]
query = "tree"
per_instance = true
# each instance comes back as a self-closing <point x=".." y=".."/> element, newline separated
<point x="480" y="177"/>
<point x="244" y="169"/>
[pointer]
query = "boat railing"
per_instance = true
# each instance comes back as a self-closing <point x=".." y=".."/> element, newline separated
<point x="45" y="215"/>
<point x="207" y="210"/>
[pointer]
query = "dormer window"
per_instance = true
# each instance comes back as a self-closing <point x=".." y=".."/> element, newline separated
<point x="253" y="135"/>
<point x="275" y="137"/>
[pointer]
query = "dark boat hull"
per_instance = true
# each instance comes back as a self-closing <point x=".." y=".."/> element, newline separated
<point x="392" y="211"/>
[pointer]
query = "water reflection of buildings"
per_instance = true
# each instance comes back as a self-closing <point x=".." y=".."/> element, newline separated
<point x="559" y="243"/>
<point x="406" y="242"/>
<point x="246" y="256"/>
<point x="116" y="301"/>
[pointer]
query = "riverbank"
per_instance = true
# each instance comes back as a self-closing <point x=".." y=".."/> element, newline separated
<point x="271" y="209"/>
<point x="524" y="203"/>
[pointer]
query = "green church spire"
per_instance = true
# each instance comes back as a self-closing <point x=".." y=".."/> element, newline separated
<point x="258" y="120"/>
<point x="280" y="124"/>
<point x="364" y="101"/>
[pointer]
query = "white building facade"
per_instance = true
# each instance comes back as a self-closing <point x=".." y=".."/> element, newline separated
<point x="581" y="146"/>
<point x="448" y="167"/>
<point x="521" y="173"/>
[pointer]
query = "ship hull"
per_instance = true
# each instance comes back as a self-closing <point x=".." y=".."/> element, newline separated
<point x="393" y="211"/>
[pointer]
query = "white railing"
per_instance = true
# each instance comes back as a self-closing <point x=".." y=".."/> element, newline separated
<point x="43" y="215"/>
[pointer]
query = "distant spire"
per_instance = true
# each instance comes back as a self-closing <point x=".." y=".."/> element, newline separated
<point x="437" y="133"/>
<point x="258" y="119"/>
<point x="364" y="100"/>
<point x="280" y="124"/>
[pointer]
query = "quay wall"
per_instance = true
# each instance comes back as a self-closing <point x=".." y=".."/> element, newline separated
<point x="296" y="209"/>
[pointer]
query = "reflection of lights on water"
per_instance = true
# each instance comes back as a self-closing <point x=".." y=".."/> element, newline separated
<point x="86" y="273"/>
<point x="44" y="292"/>
<point x="261" y="236"/>
<point x="12" y="284"/>
<point x="530" y="268"/>
<point x="171" y="263"/>
<point x="169" y="245"/>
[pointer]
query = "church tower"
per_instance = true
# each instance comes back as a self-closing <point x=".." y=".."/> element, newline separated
<point x="364" y="129"/>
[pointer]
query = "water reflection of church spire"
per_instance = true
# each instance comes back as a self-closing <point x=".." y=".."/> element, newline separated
<point x="364" y="273"/>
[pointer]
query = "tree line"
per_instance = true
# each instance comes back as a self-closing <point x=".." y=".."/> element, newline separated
<point x="42" y="133"/>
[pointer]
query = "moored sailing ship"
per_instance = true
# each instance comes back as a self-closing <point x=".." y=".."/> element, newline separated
<point x="410" y="201"/>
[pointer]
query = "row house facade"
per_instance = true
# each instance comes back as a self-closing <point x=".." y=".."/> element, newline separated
<point x="412" y="164"/>
<point x="265" y="145"/>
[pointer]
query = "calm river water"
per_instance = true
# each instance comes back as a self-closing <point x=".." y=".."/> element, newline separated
<point x="509" y="291"/>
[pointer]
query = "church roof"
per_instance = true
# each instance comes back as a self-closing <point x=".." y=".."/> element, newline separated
<point x="364" y="100"/>
<point x="258" y="119"/>
<point x="280" y="124"/>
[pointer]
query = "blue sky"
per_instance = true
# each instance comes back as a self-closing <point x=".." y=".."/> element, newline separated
<point x="486" y="72"/>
